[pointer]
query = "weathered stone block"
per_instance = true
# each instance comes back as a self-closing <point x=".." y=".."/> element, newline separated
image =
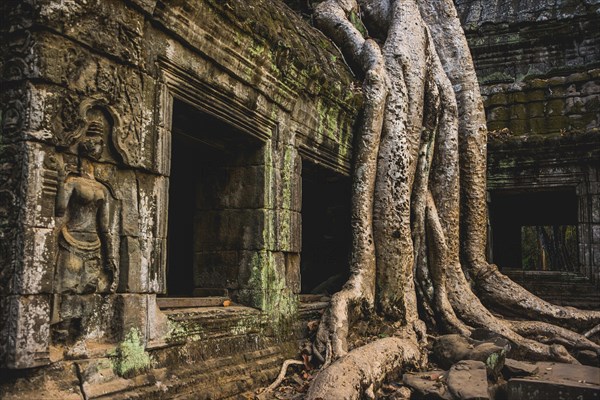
<point x="127" y="191"/>
<point x="518" y="126"/>
<point x="157" y="268"/>
<point x="152" y="204"/>
<point x="216" y="269"/>
<point x="158" y="324"/>
<point x="497" y="99"/>
<point x="88" y="23"/>
<point x="231" y="187"/>
<point x="292" y="272"/>
<point x="556" y="380"/>
<point x="499" y="113"/>
<point x="556" y="80"/>
<point x="132" y="276"/>
<point x="25" y="331"/>
<point x="555" y="107"/>
<point x="495" y="125"/>
<point x="536" y="95"/>
<point x="518" y="111"/>
<point x="131" y="312"/>
<point x="36" y="272"/>
<point x="537" y="124"/>
<point x="595" y="206"/>
<point x="595" y="254"/>
<point x="247" y="267"/>
<point x="584" y="254"/>
<point x="11" y="190"/>
<point x="288" y="231"/>
<point x="161" y="192"/>
<point x="556" y="124"/>
<point x="94" y="317"/>
<point x="467" y="379"/>
<point x="99" y="378"/>
<point x="536" y="109"/>
<point x="162" y="155"/>
<point x="266" y="270"/>
<point x="291" y="180"/>
<point x="41" y="175"/>
<point x="15" y="106"/>
<point x="229" y="229"/>
<point x="596" y="233"/>
<point x="517" y="97"/>
<point x="515" y="368"/>
<point x="9" y="254"/>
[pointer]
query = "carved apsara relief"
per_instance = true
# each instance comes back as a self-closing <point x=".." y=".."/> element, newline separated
<point x="87" y="213"/>
<point x="82" y="266"/>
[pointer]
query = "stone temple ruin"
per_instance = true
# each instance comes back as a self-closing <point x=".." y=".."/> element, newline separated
<point x="159" y="158"/>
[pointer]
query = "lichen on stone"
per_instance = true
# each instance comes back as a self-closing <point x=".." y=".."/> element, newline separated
<point x="130" y="357"/>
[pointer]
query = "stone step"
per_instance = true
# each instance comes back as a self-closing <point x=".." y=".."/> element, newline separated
<point x="204" y="382"/>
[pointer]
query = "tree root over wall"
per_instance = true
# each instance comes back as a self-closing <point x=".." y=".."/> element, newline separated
<point x="418" y="209"/>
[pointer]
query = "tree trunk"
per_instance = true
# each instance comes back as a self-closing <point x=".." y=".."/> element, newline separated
<point x="419" y="216"/>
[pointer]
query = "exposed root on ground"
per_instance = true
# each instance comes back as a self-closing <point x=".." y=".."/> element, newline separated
<point x="501" y="293"/>
<point x="362" y="370"/>
<point x="553" y="334"/>
<point x="592" y="332"/>
<point x="281" y="376"/>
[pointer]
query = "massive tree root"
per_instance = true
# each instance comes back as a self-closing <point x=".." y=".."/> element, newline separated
<point x="418" y="206"/>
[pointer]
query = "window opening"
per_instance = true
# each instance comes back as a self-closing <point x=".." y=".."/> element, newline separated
<point x="535" y="230"/>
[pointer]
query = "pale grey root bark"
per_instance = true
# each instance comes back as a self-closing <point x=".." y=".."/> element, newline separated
<point x="418" y="207"/>
<point x="355" y="375"/>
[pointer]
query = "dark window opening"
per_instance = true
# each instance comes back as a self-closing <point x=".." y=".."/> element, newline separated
<point x="326" y="235"/>
<point x="534" y="230"/>
<point x="215" y="197"/>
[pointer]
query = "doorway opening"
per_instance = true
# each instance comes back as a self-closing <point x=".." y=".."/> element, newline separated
<point x="215" y="194"/>
<point x="326" y="233"/>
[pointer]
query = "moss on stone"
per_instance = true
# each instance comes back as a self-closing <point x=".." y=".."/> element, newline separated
<point x="131" y="357"/>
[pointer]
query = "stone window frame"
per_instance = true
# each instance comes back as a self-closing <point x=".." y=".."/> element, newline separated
<point x="176" y="83"/>
<point x="545" y="178"/>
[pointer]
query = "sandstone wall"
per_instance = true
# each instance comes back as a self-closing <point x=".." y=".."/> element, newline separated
<point x="538" y="64"/>
<point x="75" y="74"/>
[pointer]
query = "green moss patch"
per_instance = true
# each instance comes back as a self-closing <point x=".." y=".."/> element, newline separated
<point x="131" y="357"/>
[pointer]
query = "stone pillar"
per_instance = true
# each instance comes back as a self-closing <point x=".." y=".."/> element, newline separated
<point x="274" y="272"/>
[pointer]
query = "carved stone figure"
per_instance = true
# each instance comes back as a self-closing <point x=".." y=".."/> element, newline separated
<point x="85" y="262"/>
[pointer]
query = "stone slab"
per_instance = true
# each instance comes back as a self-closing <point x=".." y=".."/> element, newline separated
<point x="430" y="384"/>
<point x="188" y="302"/>
<point x="514" y="368"/>
<point x="467" y="380"/>
<point x="557" y="381"/>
